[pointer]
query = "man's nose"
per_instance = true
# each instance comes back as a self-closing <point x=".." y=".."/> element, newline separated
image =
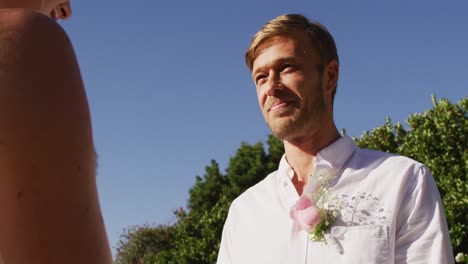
<point x="64" y="10"/>
<point x="273" y="84"/>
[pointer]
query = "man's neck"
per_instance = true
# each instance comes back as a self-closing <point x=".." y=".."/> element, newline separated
<point x="300" y="154"/>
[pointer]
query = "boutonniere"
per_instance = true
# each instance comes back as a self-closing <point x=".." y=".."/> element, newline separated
<point x="315" y="212"/>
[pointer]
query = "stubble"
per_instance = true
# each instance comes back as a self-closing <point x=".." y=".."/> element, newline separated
<point x="302" y="120"/>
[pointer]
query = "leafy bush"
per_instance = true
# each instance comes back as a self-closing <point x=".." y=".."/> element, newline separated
<point x="139" y="244"/>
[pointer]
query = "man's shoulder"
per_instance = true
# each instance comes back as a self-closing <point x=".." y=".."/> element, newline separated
<point x="377" y="158"/>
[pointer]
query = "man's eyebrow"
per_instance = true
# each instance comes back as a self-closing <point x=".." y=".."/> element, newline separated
<point x="285" y="59"/>
<point x="274" y="63"/>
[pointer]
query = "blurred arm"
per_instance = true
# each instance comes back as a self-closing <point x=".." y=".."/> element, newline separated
<point x="49" y="208"/>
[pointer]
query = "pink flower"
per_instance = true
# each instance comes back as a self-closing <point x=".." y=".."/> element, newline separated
<point x="305" y="214"/>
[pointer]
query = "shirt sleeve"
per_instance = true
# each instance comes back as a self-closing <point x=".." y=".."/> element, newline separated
<point x="422" y="235"/>
<point x="224" y="256"/>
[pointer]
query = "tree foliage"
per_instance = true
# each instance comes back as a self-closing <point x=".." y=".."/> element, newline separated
<point x="208" y="190"/>
<point x="139" y="244"/>
<point x="437" y="138"/>
<point x="197" y="238"/>
<point x="246" y="168"/>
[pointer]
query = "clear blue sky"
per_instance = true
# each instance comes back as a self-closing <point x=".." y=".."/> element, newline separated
<point x="169" y="90"/>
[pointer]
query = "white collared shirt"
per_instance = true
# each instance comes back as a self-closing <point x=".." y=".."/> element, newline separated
<point x="393" y="214"/>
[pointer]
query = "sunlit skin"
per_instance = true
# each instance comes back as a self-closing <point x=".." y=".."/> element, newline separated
<point x="294" y="93"/>
<point x="49" y="204"/>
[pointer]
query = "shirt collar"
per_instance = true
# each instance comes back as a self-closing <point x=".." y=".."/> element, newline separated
<point x="284" y="168"/>
<point x="331" y="158"/>
<point x="335" y="155"/>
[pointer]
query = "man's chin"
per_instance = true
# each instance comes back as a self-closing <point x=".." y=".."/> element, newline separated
<point x="286" y="128"/>
<point x="282" y="131"/>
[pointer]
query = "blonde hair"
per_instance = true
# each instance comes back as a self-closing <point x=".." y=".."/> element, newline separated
<point x="284" y="25"/>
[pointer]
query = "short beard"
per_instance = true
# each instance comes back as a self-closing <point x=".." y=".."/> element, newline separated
<point x="302" y="120"/>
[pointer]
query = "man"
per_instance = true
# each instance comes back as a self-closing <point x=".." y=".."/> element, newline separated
<point x="49" y="206"/>
<point x="388" y="207"/>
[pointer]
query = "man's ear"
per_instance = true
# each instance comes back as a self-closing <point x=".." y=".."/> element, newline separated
<point x="330" y="77"/>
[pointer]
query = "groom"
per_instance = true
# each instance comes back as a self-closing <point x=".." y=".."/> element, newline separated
<point x="388" y="209"/>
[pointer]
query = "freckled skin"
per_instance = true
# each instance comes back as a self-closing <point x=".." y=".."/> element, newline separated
<point x="49" y="207"/>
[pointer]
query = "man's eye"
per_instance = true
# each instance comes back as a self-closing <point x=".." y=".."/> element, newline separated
<point x="260" y="78"/>
<point x="287" y="67"/>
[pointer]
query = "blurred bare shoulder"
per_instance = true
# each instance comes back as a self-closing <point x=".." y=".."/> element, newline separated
<point x="42" y="98"/>
<point x="28" y="30"/>
<point x="47" y="159"/>
<point x="37" y="61"/>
